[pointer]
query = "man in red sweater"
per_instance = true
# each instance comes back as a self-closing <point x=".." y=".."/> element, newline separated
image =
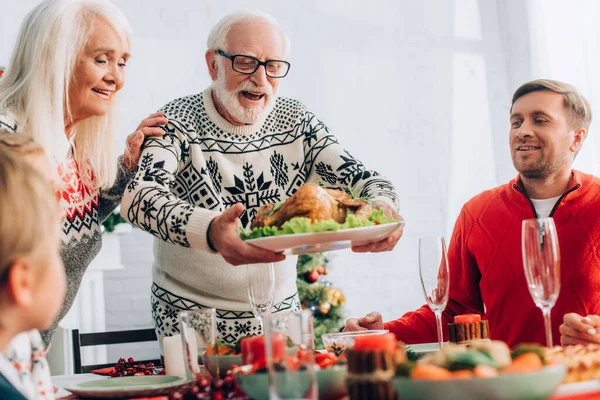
<point x="548" y="124"/>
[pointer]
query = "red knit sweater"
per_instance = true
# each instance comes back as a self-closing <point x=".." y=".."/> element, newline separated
<point x="486" y="266"/>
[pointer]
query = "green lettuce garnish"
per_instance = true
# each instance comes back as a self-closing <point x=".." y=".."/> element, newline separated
<point x="305" y="225"/>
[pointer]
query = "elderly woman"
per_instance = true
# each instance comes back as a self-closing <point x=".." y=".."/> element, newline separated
<point x="65" y="72"/>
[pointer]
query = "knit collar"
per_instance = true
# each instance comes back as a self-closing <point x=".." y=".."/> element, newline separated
<point x="579" y="181"/>
<point x="218" y="120"/>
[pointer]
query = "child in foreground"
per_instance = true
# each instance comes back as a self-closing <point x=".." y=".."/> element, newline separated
<point x="32" y="276"/>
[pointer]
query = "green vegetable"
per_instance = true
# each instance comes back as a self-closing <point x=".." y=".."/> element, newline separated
<point x="469" y="360"/>
<point x="305" y="225"/>
<point x="411" y="354"/>
<point x="529" y="348"/>
<point x="405" y="368"/>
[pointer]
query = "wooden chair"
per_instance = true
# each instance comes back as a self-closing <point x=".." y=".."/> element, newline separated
<point x="105" y="338"/>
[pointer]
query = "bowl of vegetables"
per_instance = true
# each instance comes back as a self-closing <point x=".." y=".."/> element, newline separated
<point x="484" y="371"/>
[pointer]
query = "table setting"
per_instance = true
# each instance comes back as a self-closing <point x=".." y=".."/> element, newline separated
<point x="282" y="362"/>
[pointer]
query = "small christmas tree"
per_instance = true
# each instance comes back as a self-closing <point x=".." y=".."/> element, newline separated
<point x="317" y="294"/>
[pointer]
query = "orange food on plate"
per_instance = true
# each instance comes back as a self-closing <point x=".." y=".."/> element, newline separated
<point x="484" y="371"/>
<point x="462" y="374"/>
<point x="430" y="372"/>
<point x="385" y="342"/>
<point x="467" y="318"/>
<point x="528" y="362"/>
<point x="324" y="360"/>
<point x="221" y="350"/>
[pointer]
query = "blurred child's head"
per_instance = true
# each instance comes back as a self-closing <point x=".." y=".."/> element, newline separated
<point x="27" y="147"/>
<point x="32" y="276"/>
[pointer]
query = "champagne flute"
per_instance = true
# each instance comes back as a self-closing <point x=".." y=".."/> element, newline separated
<point x="435" y="277"/>
<point x="261" y="289"/>
<point x="541" y="262"/>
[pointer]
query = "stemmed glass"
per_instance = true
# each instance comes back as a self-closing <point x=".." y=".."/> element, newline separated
<point x="541" y="261"/>
<point x="290" y="377"/>
<point x="261" y="289"/>
<point x="199" y="337"/>
<point x="435" y="277"/>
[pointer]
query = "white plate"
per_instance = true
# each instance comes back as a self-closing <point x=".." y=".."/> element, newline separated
<point x="305" y="243"/>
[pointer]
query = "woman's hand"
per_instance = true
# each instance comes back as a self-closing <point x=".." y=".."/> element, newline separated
<point x="133" y="145"/>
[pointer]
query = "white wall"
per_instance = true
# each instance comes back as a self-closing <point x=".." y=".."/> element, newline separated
<point x="418" y="90"/>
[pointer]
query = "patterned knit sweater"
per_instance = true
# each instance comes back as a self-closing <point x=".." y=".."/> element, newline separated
<point x="486" y="265"/>
<point x="85" y="210"/>
<point x="204" y="164"/>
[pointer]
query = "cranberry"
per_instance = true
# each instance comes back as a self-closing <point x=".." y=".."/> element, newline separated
<point x="217" y="384"/>
<point x="130" y="360"/>
<point x="150" y="364"/>
<point x="217" y="396"/>
<point x="203" y="382"/>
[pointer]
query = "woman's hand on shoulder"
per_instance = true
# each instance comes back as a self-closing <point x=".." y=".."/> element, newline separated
<point x="150" y="126"/>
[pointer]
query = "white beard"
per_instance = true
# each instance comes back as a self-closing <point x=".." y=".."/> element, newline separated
<point x="230" y="101"/>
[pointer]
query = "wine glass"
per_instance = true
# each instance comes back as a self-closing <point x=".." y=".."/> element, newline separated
<point x="261" y="288"/>
<point x="199" y="339"/>
<point x="541" y="261"/>
<point x="435" y="277"/>
<point x="290" y="376"/>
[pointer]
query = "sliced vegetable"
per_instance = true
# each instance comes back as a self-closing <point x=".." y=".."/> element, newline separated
<point x="469" y="360"/>
<point x="530" y="348"/>
<point x="430" y="372"/>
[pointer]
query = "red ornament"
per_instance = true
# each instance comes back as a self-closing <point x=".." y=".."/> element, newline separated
<point x="312" y="276"/>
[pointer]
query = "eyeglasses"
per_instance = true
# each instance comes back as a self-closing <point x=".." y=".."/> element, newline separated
<point x="248" y="65"/>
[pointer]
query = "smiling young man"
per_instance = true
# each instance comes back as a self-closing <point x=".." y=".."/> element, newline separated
<point x="226" y="152"/>
<point x="548" y="124"/>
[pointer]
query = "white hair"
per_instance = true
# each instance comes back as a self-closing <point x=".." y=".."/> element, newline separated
<point x="36" y="85"/>
<point x="218" y="35"/>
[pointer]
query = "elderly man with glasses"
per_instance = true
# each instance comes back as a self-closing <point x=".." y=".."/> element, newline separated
<point x="226" y="152"/>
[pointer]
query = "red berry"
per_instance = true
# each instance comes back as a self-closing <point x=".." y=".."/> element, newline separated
<point x="203" y="382"/>
<point x="150" y="364"/>
<point x="312" y="276"/>
<point x="130" y="360"/>
<point x="217" y="384"/>
<point x="320" y="269"/>
<point x="217" y="396"/>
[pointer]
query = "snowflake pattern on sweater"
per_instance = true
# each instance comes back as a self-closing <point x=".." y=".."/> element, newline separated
<point x="203" y="165"/>
<point x="185" y="169"/>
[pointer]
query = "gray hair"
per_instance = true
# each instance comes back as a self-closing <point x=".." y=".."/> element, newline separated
<point x="35" y="87"/>
<point x="218" y="35"/>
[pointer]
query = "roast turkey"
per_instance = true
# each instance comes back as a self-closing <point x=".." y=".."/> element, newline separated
<point x="314" y="202"/>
